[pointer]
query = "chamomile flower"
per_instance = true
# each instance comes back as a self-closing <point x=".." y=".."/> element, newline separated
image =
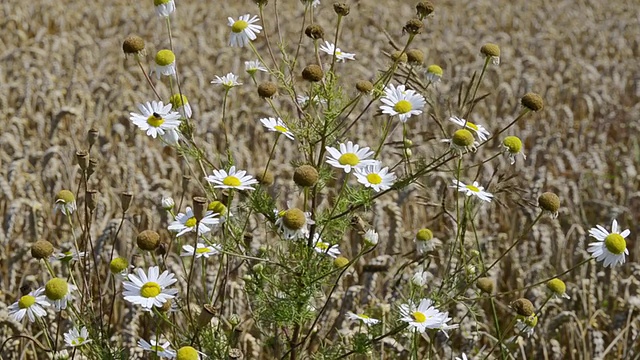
<point x="59" y="292"/>
<point x="180" y="104"/>
<point x="425" y="242"/>
<point x="186" y="222"/>
<point x="463" y="357"/>
<point x="303" y="100"/>
<point x="371" y="237"/>
<point x="480" y="130"/>
<point x="375" y="177"/>
<point x="228" y="81"/>
<point x="424" y="316"/>
<point x="472" y="190"/>
<point x="362" y="317"/>
<point x="611" y="247"/>
<point x="164" y="8"/>
<point x="32" y="305"/>
<point x="558" y="288"/>
<point x="160" y="348"/>
<point x="434" y="73"/>
<point x="420" y="278"/>
<point x="75" y="337"/>
<point x="65" y="202"/>
<point x="324" y="247"/>
<point x="512" y="146"/>
<point x="350" y="156"/>
<point x="277" y="125"/>
<point x="527" y="324"/>
<point x="167" y="203"/>
<point x="155" y="118"/>
<point x="243" y="30"/>
<point x="253" y="66"/>
<point x="151" y="290"/>
<point x="402" y="102"/>
<point x="293" y="223"/>
<point x="201" y="250"/>
<point x="67" y="256"/>
<point x="165" y="63"/>
<point x="233" y="179"/>
<point x="462" y="141"/>
<point x="331" y="49"/>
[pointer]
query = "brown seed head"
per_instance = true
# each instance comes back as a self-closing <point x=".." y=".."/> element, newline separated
<point x="413" y="26"/>
<point x="549" y="202"/>
<point x="415" y="56"/>
<point x="305" y="176"/>
<point x="485" y="284"/>
<point x="267" y="89"/>
<point x="532" y="101"/>
<point x="133" y="45"/>
<point x="148" y="240"/>
<point x="312" y="73"/>
<point x="364" y="86"/>
<point x="314" y="31"/>
<point x="341" y="9"/>
<point x="41" y="249"/>
<point x="523" y="307"/>
<point x="424" y="9"/>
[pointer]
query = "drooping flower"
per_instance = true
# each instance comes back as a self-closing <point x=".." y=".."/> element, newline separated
<point x="165" y="63"/>
<point x="164" y="8"/>
<point x="293" y="223"/>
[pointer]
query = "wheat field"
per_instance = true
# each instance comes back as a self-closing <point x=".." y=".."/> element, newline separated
<point x="63" y="73"/>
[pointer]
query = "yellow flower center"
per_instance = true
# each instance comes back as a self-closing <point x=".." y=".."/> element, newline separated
<point x="202" y="250"/>
<point x="165" y="57"/>
<point x="322" y="246"/>
<point x="471" y="125"/>
<point x="473" y="188"/>
<point x="282" y="129"/>
<point x="191" y="222"/>
<point x="374" y="178"/>
<point x="435" y="69"/>
<point x="156" y="348"/>
<point x="419" y="317"/>
<point x="615" y="243"/>
<point x="155" y="120"/>
<point x="79" y="340"/>
<point x="239" y="26"/>
<point x="364" y="316"/>
<point x="26" y="301"/>
<point x="557" y="286"/>
<point x="232" y="181"/>
<point x="160" y="2"/>
<point x="402" y="106"/>
<point x="349" y="159"/>
<point x="150" y="290"/>
<point x="513" y="144"/>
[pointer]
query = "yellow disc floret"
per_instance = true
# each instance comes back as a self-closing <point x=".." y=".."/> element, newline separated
<point x="165" y="57"/>
<point x="150" y="289"/>
<point x="56" y="288"/>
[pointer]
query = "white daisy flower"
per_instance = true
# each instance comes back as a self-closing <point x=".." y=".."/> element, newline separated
<point x="374" y="177"/>
<point x="277" y="125"/>
<point x="324" y="247"/>
<point x="149" y="291"/>
<point x="611" y="247"/>
<point x="420" y="278"/>
<point x="475" y="190"/>
<point x="463" y="357"/>
<point x="480" y="130"/>
<point x="186" y="222"/>
<point x="67" y="256"/>
<point x="253" y="66"/>
<point x="331" y="49"/>
<point x="303" y="100"/>
<point x="402" y="102"/>
<point x="350" y="156"/>
<point x="180" y="104"/>
<point x="165" y="63"/>
<point x="462" y="141"/>
<point x="77" y="337"/>
<point x="424" y="316"/>
<point x="238" y="180"/>
<point x="65" y="202"/>
<point x="362" y="317"/>
<point x="155" y="118"/>
<point x="159" y="348"/>
<point x="527" y="324"/>
<point x="201" y="250"/>
<point x="228" y="81"/>
<point x="31" y="305"/>
<point x="243" y="30"/>
<point x="371" y="237"/>
<point x="164" y="8"/>
<point x="60" y="294"/>
<point x="293" y="223"/>
<point x="434" y="73"/>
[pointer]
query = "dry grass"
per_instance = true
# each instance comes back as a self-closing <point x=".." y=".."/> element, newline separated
<point x="63" y="73"/>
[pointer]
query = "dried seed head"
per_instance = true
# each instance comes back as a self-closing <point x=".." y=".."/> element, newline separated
<point x="185" y="182"/>
<point x="549" y="202"/>
<point x="462" y="138"/>
<point x="424" y="235"/>
<point x="364" y="86"/>
<point x="125" y="200"/>
<point x="399" y="56"/>
<point x="261" y="3"/>
<point x="312" y="73"/>
<point x="413" y="26"/>
<point x="235" y="353"/>
<point x="56" y="288"/>
<point x="92" y="136"/>
<point x="206" y="314"/>
<point x="424" y="9"/>
<point x="118" y="265"/>
<point x="485" y="284"/>
<point x="133" y="45"/>
<point x="340" y="262"/>
<point x="314" y="31"/>
<point x="532" y="101"/>
<point x="267" y="89"/>
<point x="83" y="159"/>
<point x="92" y="199"/>
<point x="341" y="9"/>
<point x="200" y="205"/>
<point x="148" y="240"/>
<point x="265" y="178"/>
<point x="305" y="176"/>
<point x="523" y="307"/>
<point x="415" y="56"/>
<point x="491" y="50"/>
<point x="294" y="219"/>
<point x="41" y="249"/>
<point x="91" y="168"/>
